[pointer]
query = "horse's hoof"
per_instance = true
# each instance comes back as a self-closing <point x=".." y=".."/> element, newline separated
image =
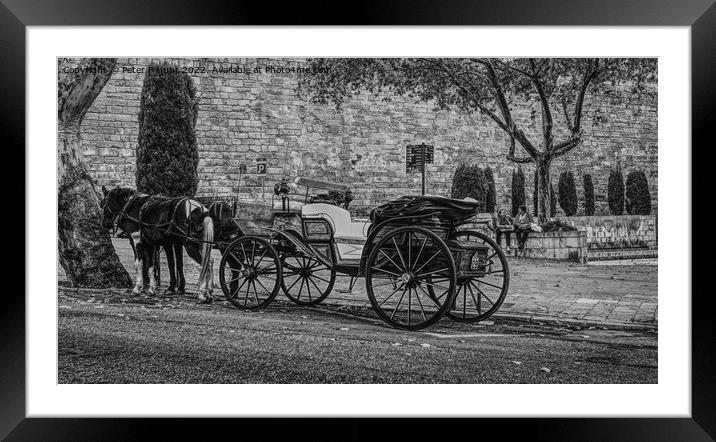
<point x="181" y="292"/>
<point x="136" y="292"/>
<point x="205" y="301"/>
<point x="170" y="292"/>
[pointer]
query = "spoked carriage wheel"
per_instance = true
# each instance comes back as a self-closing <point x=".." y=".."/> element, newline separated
<point x="306" y="281"/>
<point x="478" y="298"/>
<point x="401" y="268"/>
<point x="250" y="273"/>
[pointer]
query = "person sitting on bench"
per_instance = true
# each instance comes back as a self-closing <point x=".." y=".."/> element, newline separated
<point x="502" y="224"/>
<point x="522" y="223"/>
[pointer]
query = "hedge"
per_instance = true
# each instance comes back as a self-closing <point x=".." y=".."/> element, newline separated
<point x="167" y="153"/>
<point x="469" y="181"/>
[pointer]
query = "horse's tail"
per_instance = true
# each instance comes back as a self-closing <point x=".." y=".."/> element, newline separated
<point x="206" y="277"/>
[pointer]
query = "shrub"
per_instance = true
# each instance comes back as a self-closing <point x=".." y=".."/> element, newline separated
<point x="167" y="153"/>
<point x="557" y="226"/>
<point x="469" y="181"/>
<point x="615" y="192"/>
<point x="491" y="200"/>
<point x="567" y="193"/>
<point x="518" y="190"/>
<point x="638" y="197"/>
<point x="588" y="195"/>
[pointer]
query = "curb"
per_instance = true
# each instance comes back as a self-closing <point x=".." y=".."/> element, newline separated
<point x="571" y="322"/>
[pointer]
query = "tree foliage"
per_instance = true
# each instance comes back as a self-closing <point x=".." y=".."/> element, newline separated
<point x="638" y="197"/>
<point x="518" y="190"/>
<point x="469" y="181"/>
<point x="588" y="195"/>
<point x="615" y="191"/>
<point x="493" y="87"/>
<point x="167" y="153"/>
<point x="567" y="193"/>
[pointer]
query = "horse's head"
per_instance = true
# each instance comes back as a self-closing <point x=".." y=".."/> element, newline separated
<point x="113" y="202"/>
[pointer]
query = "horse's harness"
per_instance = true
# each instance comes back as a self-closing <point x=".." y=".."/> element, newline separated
<point x="121" y="215"/>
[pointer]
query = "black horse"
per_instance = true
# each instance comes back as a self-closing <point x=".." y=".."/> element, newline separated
<point x="172" y="223"/>
<point x="120" y="215"/>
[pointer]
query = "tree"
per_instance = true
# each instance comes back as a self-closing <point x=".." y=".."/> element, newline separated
<point x="638" y="197"/>
<point x="167" y="152"/>
<point x="491" y="200"/>
<point x="518" y="190"/>
<point x="84" y="246"/>
<point x="567" y="193"/>
<point x="615" y="191"/>
<point x="588" y="195"/>
<point x="469" y="181"/>
<point x="558" y="87"/>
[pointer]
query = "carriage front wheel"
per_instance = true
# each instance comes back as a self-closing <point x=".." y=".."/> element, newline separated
<point x="478" y="297"/>
<point x="250" y="273"/>
<point x="400" y="269"/>
<point x="306" y="280"/>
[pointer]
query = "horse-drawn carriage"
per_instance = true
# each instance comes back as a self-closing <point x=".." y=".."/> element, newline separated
<point x="418" y="261"/>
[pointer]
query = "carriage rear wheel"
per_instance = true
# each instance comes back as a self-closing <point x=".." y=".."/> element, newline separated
<point x="400" y="270"/>
<point x="478" y="298"/>
<point x="250" y="273"/>
<point x="306" y="281"/>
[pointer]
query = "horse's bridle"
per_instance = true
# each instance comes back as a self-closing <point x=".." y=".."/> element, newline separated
<point x="117" y="214"/>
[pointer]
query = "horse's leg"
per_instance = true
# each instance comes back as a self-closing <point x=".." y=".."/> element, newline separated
<point x="158" y="266"/>
<point x="179" y="259"/>
<point x="138" y="263"/>
<point x="169" y="251"/>
<point x="149" y="256"/>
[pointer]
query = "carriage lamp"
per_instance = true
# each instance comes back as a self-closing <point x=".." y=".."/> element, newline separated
<point x="282" y="189"/>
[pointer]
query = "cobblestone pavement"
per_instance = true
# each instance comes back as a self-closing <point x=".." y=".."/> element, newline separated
<point x="608" y="294"/>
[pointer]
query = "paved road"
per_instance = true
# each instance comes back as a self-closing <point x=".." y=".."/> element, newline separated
<point x="105" y="337"/>
<point x="540" y="291"/>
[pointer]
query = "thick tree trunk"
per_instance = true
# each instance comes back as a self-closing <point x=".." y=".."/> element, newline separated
<point x="543" y="189"/>
<point x="85" y="249"/>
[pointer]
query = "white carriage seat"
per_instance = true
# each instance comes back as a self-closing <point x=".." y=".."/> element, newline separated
<point x="350" y="236"/>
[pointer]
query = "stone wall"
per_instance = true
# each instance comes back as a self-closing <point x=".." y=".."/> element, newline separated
<point x="625" y="231"/>
<point x="247" y="117"/>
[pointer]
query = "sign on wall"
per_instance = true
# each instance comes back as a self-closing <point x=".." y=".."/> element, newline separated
<point x="261" y="167"/>
<point x="414" y="157"/>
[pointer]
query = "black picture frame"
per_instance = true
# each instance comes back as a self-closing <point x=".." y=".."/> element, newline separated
<point x="700" y="15"/>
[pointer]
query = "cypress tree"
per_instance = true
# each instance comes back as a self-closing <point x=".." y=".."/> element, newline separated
<point x="567" y="193"/>
<point x="615" y="192"/>
<point x="588" y="195"/>
<point x="638" y="197"/>
<point x="491" y="200"/>
<point x="518" y="190"/>
<point x="167" y="152"/>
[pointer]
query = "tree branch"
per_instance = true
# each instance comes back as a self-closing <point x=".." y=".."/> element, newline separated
<point x="547" y="121"/>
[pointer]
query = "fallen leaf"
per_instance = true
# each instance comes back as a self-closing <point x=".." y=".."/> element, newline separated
<point x="425" y="345"/>
<point x="343" y="329"/>
<point x="546" y="370"/>
<point x="396" y="344"/>
<point x="517" y="362"/>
